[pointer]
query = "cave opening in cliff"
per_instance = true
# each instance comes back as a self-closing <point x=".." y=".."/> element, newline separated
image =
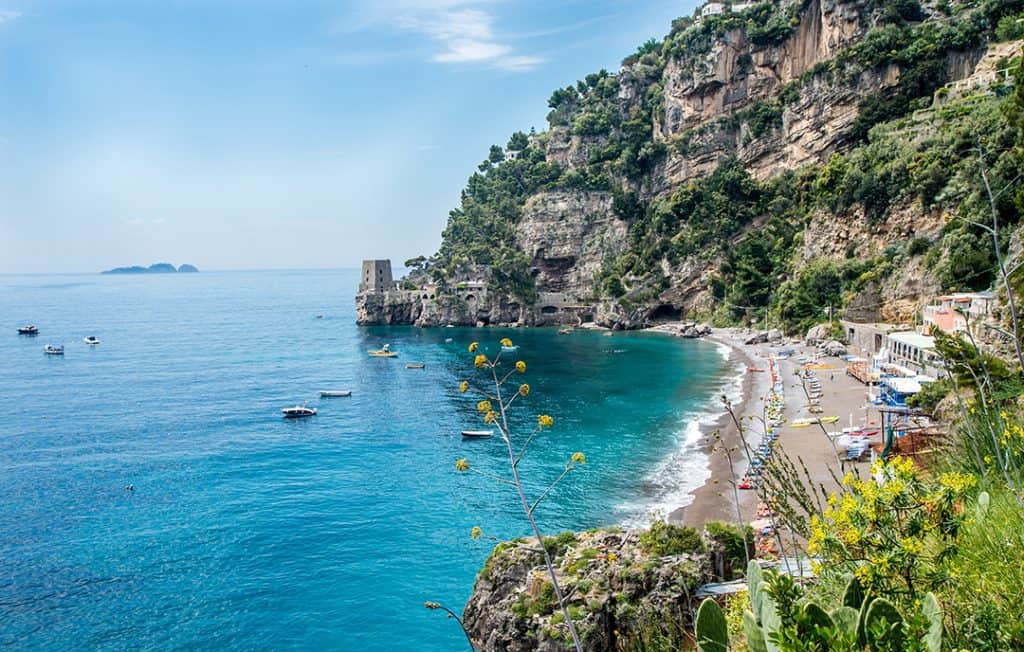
<point x="666" y="312"/>
<point x="549" y="310"/>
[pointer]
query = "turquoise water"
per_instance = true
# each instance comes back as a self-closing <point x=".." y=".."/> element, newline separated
<point x="248" y="531"/>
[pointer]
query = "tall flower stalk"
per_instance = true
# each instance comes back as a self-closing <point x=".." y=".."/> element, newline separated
<point x="494" y="406"/>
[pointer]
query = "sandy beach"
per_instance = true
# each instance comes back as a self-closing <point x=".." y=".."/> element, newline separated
<point x="841" y="396"/>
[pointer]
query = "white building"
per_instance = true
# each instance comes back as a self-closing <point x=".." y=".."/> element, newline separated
<point x="914" y="351"/>
<point x="712" y="9"/>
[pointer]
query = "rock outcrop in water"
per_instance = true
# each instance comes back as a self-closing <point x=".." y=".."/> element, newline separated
<point x="155" y="268"/>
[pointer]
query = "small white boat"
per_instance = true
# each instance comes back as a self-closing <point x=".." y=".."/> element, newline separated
<point x="28" y="330"/>
<point x="298" y="412"/>
<point x="509" y="349"/>
<point x="447" y="340"/>
<point x="477" y="434"/>
<point x="416" y="365"/>
<point x="91" y="340"/>
<point x="49" y="349"/>
<point x="334" y="393"/>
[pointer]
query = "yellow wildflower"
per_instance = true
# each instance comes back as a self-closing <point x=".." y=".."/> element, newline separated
<point x="463" y="386"/>
<point x="432" y="605"/>
<point x="912" y="545"/>
<point x="958" y="482"/>
<point x="480" y="360"/>
<point x="475" y="532"/>
<point x="611" y="556"/>
<point x="579" y="458"/>
<point x="462" y="465"/>
<point x="484" y="406"/>
<point x="521" y="367"/>
<point x="507" y="343"/>
<point x="524" y="390"/>
<point x="545" y="421"/>
<point x="491" y="417"/>
<point x="473" y="347"/>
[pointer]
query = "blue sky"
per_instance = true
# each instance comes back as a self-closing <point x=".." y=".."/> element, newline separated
<point x="268" y="133"/>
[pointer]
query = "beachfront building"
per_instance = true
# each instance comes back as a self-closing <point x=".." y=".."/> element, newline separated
<point x="913" y="353"/>
<point x="952" y="313"/>
<point x="868" y="339"/>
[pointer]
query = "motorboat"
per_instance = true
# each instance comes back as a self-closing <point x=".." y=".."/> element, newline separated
<point x="383" y="352"/>
<point x="28" y="329"/>
<point x="477" y="434"/>
<point x="415" y="365"/>
<point x="565" y="331"/>
<point x="298" y="412"/>
<point x="50" y="349"/>
<point x="335" y="393"/>
<point x="91" y="340"/>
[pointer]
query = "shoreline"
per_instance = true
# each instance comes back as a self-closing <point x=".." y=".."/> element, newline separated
<point x="842" y="396"/>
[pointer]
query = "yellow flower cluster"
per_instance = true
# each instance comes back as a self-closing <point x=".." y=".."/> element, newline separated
<point x="463" y="386"/>
<point x="544" y="421"/>
<point x="912" y="545"/>
<point x="473" y="347"/>
<point x="462" y="465"/>
<point x="491" y="417"/>
<point x="524" y="390"/>
<point x="475" y="532"/>
<point x="957" y="482"/>
<point x="480" y="360"/>
<point x="484" y="406"/>
<point x="521" y="367"/>
<point x="579" y="458"/>
<point x="505" y="342"/>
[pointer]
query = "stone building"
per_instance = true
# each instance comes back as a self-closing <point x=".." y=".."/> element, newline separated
<point x="376" y="276"/>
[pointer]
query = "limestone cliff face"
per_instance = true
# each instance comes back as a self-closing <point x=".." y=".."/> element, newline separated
<point x="566" y="235"/>
<point x="707" y="97"/>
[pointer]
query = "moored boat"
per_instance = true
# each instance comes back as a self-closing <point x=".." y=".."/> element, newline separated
<point x="415" y="365"/>
<point x="50" y="349"/>
<point x="333" y="393"/>
<point x="298" y="412"/>
<point x="28" y="329"/>
<point x="91" y="340"/>
<point x="477" y="434"/>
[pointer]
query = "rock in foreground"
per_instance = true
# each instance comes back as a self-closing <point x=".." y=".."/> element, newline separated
<point x="620" y="586"/>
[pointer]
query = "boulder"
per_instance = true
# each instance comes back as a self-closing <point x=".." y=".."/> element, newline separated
<point x="816" y="334"/>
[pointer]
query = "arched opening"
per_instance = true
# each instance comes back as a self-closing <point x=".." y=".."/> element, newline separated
<point x="666" y="312"/>
<point x="470" y="297"/>
<point x="549" y="310"/>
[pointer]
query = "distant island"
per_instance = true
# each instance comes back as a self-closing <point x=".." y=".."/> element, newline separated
<point x="156" y="268"/>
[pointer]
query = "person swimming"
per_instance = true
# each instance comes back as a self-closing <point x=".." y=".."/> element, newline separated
<point x="129" y="487"/>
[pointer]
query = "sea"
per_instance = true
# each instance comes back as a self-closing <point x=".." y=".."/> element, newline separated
<point x="152" y="497"/>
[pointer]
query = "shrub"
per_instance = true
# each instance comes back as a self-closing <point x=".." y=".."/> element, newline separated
<point x="663" y="539"/>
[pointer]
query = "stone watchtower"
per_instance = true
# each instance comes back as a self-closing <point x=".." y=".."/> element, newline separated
<point x="376" y="276"/>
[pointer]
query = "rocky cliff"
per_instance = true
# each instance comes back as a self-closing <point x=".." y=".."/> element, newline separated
<point x="620" y="211"/>
<point x="620" y="587"/>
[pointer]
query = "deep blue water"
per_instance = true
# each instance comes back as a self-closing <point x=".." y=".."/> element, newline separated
<point x="248" y="531"/>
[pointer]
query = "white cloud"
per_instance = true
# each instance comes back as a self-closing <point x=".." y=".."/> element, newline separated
<point x="464" y="31"/>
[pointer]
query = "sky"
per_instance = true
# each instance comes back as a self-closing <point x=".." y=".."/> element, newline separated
<point x="261" y="134"/>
